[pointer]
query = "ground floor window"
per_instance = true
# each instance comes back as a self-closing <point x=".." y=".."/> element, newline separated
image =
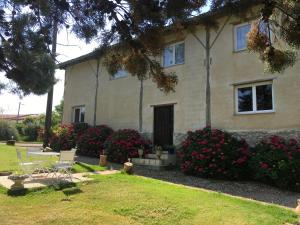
<point x="254" y="98"/>
<point x="78" y="114"/>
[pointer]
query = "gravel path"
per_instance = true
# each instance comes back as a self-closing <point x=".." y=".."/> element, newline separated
<point x="251" y="190"/>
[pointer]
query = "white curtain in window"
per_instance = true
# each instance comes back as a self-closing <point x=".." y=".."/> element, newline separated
<point x="168" y="56"/>
<point x="179" y="53"/>
<point x="241" y="36"/>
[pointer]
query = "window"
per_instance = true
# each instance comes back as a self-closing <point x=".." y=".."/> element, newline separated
<point x="78" y="114"/>
<point x="255" y="98"/>
<point x="240" y="34"/>
<point x="173" y="54"/>
<point x="119" y="74"/>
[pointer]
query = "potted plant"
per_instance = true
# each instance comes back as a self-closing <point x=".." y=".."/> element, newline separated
<point x="141" y="152"/>
<point x="11" y="142"/>
<point x="18" y="179"/>
<point x="103" y="158"/>
<point x="158" y="151"/>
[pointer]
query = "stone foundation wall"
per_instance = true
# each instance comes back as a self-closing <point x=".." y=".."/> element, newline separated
<point x="253" y="137"/>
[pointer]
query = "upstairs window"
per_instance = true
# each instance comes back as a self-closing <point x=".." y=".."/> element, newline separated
<point x="78" y="114"/>
<point x="120" y="74"/>
<point x="240" y="34"/>
<point x="173" y="54"/>
<point x="255" y="98"/>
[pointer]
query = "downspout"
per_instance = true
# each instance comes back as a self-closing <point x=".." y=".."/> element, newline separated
<point x="207" y="94"/>
<point x="141" y="106"/>
<point x="96" y="91"/>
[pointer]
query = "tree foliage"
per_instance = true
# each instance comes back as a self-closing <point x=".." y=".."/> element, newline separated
<point x="137" y="26"/>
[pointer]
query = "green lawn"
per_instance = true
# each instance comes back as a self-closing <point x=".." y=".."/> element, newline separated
<point x="9" y="162"/>
<point x="124" y="199"/>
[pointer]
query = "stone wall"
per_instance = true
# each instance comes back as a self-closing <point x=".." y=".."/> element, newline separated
<point x="253" y="137"/>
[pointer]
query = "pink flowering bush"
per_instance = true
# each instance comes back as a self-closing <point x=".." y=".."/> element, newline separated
<point x="276" y="161"/>
<point x="124" y="144"/>
<point x="63" y="138"/>
<point x="214" y="153"/>
<point x="91" y="141"/>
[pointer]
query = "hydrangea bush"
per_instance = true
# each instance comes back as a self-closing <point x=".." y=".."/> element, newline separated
<point x="124" y="144"/>
<point x="276" y="161"/>
<point x="214" y="153"/>
<point x="91" y="141"/>
<point x="63" y="138"/>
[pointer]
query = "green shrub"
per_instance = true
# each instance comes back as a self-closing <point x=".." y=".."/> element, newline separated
<point x="20" y="128"/>
<point x="276" y="161"/>
<point x="214" y="153"/>
<point x="124" y="144"/>
<point x="90" y="142"/>
<point x="7" y="130"/>
<point x="31" y="132"/>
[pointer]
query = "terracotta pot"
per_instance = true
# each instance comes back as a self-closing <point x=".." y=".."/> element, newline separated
<point x="128" y="167"/>
<point x="103" y="160"/>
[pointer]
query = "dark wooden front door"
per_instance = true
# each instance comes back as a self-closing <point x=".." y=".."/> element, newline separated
<point x="163" y="125"/>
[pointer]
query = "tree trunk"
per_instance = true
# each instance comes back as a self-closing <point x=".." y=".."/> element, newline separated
<point x="48" y="118"/>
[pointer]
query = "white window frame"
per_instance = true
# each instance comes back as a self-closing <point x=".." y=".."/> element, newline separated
<point x="81" y="108"/>
<point x="113" y="77"/>
<point x="235" y="35"/>
<point x="254" y="103"/>
<point x="174" y="49"/>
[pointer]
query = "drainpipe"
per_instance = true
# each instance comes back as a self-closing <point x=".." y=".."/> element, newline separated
<point x="96" y="92"/>
<point x="141" y="106"/>
<point x="208" y="101"/>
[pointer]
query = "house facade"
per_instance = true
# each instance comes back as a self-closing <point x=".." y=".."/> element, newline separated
<point x="244" y="99"/>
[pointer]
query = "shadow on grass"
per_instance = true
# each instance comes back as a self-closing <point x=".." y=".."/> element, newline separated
<point x="70" y="188"/>
<point x="85" y="166"/>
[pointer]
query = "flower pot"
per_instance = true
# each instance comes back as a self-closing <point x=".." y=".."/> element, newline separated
<point x="18" y="181"/>
<point x="11" y="142"/>
<point x="141" y="152"/>
<point x="103" y="160"/>
<point x="128" y="167"/>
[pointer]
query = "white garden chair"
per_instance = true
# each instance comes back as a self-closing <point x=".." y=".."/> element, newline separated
<point x="26" y="166"/>
<point x="65" y="163"/>
<point x="41" y="164"/>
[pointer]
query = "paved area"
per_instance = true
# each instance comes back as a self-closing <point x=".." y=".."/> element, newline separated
<point x="43" y="180"/>
<point x="246" y="189"/>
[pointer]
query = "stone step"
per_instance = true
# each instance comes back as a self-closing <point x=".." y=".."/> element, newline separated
<point x="148" y="162"/>
<point x="163" y="156"/>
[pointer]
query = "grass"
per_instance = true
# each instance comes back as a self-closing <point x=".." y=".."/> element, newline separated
<point x="124" y="199"/>
<point x="9" y="162"/>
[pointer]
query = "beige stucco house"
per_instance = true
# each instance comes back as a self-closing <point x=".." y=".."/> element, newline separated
<point x="244" y="99"/>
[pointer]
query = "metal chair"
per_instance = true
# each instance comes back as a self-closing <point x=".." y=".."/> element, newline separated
<point x="42" y="164"/>
<point x="65" y="163"/>
<point x="26" y="166"/>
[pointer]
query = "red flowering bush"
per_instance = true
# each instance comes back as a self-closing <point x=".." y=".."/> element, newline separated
<point x="63" y="138"/>
<point x="124" y="144"/>
<point x="276" y="161"/>
<point x="214" y="153"/>
<point x="90" y="142"/>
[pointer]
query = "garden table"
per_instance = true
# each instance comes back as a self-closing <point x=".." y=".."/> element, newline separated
<point x="45" y="164"/>
<point x="44" y="153"/>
